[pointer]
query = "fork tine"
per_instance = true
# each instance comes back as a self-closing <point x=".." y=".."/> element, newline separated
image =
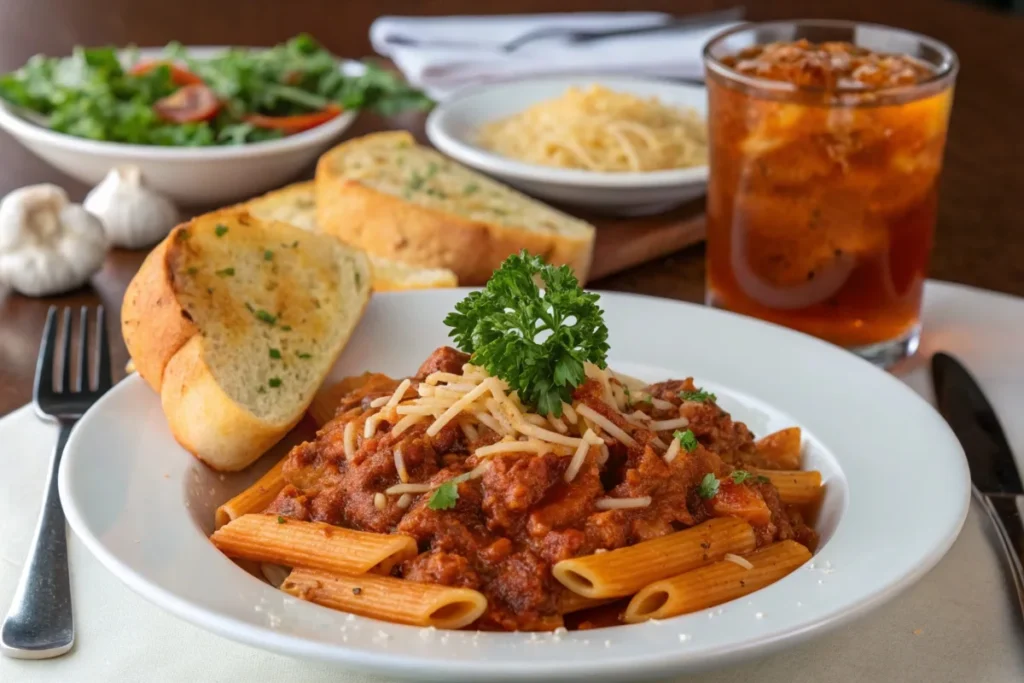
<point x="84" y="378"/>
<point x="105" y="377"/>
<point x="65" y="383"/>
<point x="44" y="366"/>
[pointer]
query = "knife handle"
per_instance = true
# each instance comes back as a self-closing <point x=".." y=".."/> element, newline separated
<point x="1006" y="510"/>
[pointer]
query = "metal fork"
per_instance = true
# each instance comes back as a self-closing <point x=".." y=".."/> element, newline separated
<point x="40" y="623"/>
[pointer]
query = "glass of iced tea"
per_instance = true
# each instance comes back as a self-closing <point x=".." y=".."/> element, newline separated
<point x="826" y="141"/>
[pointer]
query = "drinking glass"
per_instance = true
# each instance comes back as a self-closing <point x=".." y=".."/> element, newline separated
<point x="822" y="193"/>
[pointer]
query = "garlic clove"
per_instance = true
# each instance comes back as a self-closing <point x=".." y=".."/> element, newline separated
<point x="133" y="215"/>
<point x="48" y="245"/>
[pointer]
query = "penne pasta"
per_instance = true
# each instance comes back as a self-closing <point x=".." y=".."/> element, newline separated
<point x="293" y="543"/>
<point x="384" y="597"/>
<point x="780" y="450"/>
<point x="569" y="602"/>
<point x="624" y="571"/>
<point x="256" y="498"/>
<point x="716" y="583"/>
<point x="795" y="487"/>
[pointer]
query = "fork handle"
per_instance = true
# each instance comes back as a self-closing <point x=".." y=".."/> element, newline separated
<point x="40" y="624"/>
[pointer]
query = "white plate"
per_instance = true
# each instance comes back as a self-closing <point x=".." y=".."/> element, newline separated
<point x="897" y="496"/>
<point x="453" y="125"/>
<point x="188" y="175"/>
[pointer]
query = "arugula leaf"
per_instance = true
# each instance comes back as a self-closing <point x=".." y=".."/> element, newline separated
<point x="708" y="486"/>
<point x="700" y="396"/>
<point x="91" y="95"/>
<point x="444" y="496"/>
<point x="536" y="341"/>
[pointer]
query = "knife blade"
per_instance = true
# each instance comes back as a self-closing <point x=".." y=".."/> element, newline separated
<point x="996" y="481"/>
<point x="970" y="415"/>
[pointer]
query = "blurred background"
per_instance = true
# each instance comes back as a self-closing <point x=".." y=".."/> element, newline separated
<point x="981" y="185"/>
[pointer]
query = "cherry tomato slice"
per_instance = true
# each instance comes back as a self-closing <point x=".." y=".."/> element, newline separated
<point x="190" y="103"/>
<point x="179" y="76"/>
<point x="297" y="123"/>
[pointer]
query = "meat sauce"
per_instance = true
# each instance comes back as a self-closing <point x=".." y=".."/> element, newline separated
<point x="511" y="525"/>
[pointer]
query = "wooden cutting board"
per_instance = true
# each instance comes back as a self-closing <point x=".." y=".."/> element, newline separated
<point x="626" y="242"/>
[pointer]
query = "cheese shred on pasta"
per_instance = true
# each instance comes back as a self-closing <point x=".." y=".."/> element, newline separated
<point x="476" y="402"/>
<point x="597" y="129"/>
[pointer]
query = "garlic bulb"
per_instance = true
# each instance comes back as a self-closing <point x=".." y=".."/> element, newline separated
<point x="47" y="244"/>
<point x="133" y="215"/>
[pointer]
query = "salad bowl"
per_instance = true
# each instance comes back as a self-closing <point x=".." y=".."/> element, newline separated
<point x="189" y="175"/>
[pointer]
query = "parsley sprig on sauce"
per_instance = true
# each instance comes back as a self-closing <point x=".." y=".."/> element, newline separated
<point x="537" y="341"/>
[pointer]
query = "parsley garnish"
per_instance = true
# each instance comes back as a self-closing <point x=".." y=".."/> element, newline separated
<point x="192" y="271"/>
<point x="687" y="440"/>
<point x="700" y="396"/>
<point x="280" y="519"/>
<point x="275" y="354"/>
<point x="274" y="382"/>
<point x="537" y="342"/>
<point x="470" y="188"/>
<point x="303" y="355"/>
<point x="265" y="317"/>
<point x="741" y="476"/>
<point x="444" y="496"/>
<point x="708" y="486"/>
<point x="268" y="255"/>
<point x="220" y="230"/>
<point x="286" y="328"/>
<point x="181" y="236"/>
<point x="225" y="272"/>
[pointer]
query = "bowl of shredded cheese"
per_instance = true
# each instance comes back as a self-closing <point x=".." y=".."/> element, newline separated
<point x="614" y="144"/>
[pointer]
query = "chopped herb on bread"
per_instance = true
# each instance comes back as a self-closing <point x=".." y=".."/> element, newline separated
<point x="296" y="204"/>
<point x="235" y="321"/>
<point x="399" y="200"/>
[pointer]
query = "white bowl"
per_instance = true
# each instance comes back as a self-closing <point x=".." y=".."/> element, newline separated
<point x="897" y="491"/>
<point x="453" y="125"/>
<point x="188" y="175"/>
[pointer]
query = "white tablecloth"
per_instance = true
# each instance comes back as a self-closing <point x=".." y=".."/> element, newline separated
<point x="957" y="625"/>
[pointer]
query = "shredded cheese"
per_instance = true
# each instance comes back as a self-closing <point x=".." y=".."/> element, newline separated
<point x="403" y="474"/>
<point x="673" y="451"/>
<point x="406" y="422"/>
<point x="469" y="431"/>
<point x="737" y="559"/>
<point x="665" y="425"/>
<point x="380" y="501"/>
<point x="570" y="413"/>
<point x="580" y="456"/>
<point x="607" y="425"/>
<point x="399" y="489"/>
<point x="456" y="408"/>
<point x="404" y="501"/>
<point x="662" y="405"/>
<point x="622" y="503"/>
<point x="349" y="439"/>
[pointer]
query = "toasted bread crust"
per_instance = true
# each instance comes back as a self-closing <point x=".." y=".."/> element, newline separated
<point x="153" y="324"/>
<point x="167" y="351"/>
<point x="386" y="225"/>
<point x="206" y="421"/>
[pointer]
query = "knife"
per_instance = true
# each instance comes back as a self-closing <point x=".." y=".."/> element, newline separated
<point x="994" y="477"/>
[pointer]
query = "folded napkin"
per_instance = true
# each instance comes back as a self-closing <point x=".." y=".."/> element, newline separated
<point x="442" y="54"/>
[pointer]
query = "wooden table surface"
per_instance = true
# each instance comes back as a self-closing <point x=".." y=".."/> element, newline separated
<point x="980" y="235"/>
